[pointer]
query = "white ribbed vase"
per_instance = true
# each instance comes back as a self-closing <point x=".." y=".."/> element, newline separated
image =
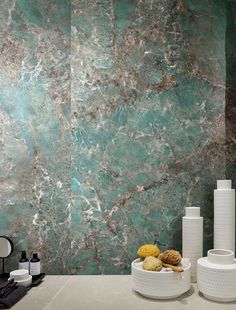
<point x="224" y="216"/>
<point x="216" y="275"/>
<point x="192" y="238"/>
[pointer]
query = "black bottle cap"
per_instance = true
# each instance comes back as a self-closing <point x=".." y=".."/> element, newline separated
<point x="23" y="254"/>
<point x="35" y="255"/>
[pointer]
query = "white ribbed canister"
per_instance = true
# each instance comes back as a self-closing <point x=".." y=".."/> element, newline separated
<point x="224" y="216"/>
<point x="192" y="238"/>
<point x="216" y="275"/>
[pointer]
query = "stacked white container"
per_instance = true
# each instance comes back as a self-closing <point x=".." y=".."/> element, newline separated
<point x="224" y="216"/>
<point x="192" y="236"/>
<point x="216" y="273"/>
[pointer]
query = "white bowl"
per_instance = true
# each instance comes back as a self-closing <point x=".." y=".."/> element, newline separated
<point x="19" y="274"/>
<point x="165" y="284"/>
<point x="27" y="282"/>
<point x="216" y="275"/>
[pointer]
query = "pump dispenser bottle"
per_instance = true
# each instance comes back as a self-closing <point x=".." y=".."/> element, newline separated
<point x="35" y="265"/>
<point x="23" y="262"/>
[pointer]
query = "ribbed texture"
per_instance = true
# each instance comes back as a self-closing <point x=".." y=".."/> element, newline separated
<point x="224" y="184"/>
<point x="217" y="282"/>
<point x="192" y="211"/>
<point x="224" y="219"/>
<point x="160" y="285"/>
<point x="192" y="242"/>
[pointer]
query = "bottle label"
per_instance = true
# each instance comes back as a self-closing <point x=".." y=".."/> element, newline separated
<point x="24" y="265"/>
<point x="35" y="269"/>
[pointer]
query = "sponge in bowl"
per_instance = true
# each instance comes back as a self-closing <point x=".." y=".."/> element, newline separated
<point x="151" y="263"/>
<point x="171" y="257"/>
<point x="148" y="250"/>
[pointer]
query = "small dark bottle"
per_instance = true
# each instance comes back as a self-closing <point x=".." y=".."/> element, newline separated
<point x="35" y="265"/>
<point x="23" y="262"/>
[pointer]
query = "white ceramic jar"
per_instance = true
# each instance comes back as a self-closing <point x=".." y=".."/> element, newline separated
<point x="216" y="275"/>
<point x="22" y="277"/>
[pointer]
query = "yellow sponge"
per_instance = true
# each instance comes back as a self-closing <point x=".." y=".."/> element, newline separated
<point x="152" y="263"/>
<point x="148" y="250"/>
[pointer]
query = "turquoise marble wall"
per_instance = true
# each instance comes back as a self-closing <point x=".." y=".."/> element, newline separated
<point x="112" y="122"/>
<point x="35" y="137"/>
<point x="230" y="96"/>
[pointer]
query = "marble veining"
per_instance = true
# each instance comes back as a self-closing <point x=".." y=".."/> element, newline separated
<point x="112" y="121"/>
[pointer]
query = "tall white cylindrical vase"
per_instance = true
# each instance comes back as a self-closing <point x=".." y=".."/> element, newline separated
<point x="192" y="238"/>
<point x="224" y="216"/>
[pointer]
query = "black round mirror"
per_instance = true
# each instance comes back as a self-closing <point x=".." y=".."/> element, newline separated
<point x="6" y="247"/>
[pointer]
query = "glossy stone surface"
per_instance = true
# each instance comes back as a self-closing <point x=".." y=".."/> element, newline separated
<point x="112" y="122"/>
<point x="35" y="175"/>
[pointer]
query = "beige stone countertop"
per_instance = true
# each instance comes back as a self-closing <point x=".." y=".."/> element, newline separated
<point x="106" y="293"/>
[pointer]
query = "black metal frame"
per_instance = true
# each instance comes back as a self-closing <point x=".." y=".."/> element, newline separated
<point x="3" y="258"/>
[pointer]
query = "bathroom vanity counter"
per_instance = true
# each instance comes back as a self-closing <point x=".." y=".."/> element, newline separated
<point x="105" y="293"/>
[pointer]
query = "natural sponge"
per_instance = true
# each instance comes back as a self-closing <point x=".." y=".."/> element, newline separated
<point x="152" y="263"/>
<point x="171" y="257"/>
<point x="148" y="250"/>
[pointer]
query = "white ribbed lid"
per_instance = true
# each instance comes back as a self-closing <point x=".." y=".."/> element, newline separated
<point x="192" y="211"/>
<point x="224" y="184"/>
